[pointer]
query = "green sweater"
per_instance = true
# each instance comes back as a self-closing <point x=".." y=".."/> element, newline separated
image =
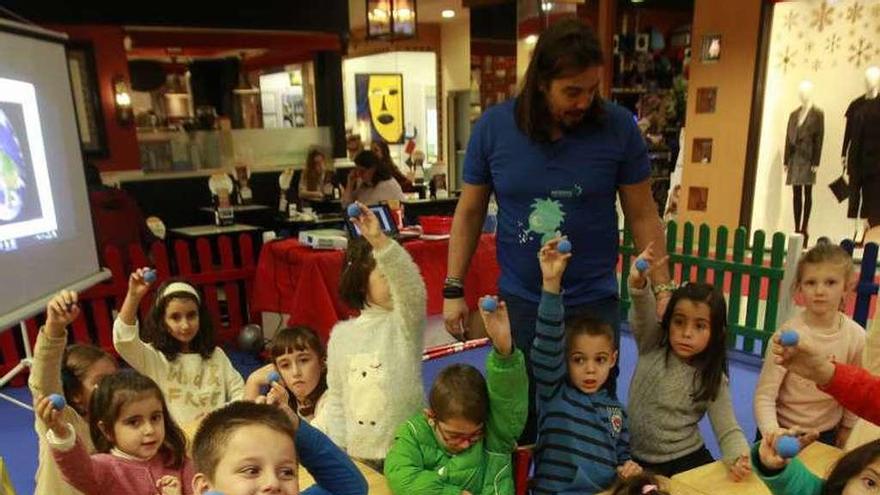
<point x="419" y="464"/>
<point x="793" y="479"/>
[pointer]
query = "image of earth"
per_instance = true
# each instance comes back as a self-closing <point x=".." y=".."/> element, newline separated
<point x="12" y="162"/>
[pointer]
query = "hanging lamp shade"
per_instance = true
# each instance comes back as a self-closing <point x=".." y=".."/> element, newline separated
<point x="391" y="19"/>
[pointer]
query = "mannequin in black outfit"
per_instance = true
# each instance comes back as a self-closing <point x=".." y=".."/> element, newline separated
<point x="861" y="151"/>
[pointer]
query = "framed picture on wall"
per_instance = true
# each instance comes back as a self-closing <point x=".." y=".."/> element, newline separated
<point x="87" y="99"/>
<point x="711" y="48"/>
<point x="379" y="99"/>
<point x="702" y="150"/>
<point x="706" y="98"/>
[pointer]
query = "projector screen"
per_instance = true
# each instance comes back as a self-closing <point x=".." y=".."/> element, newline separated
<point x="46" y="237"/>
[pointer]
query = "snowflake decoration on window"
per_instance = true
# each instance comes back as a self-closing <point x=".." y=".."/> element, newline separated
<point x="854" y="12"/>
<point x="790" y="21"/>
<point x="817" y="65"/>
<point x="860" y="52"/>
<point x="823" y="17"/>
<point x="832" y="44"/>
<point x="787" y="59"/>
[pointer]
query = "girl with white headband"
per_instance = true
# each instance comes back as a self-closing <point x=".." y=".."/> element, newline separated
<point x="194" y="374"/>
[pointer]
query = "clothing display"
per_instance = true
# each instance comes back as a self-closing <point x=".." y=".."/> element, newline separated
<point x="803" y="145"/>
<point x="803" y="153"/>
<point x="861" y="146"/>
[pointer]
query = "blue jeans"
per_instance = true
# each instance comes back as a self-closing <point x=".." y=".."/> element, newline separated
<point x="523" y="315"/>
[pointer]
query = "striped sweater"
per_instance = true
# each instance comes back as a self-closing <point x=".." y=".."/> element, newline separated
<point x="582" y="438"/>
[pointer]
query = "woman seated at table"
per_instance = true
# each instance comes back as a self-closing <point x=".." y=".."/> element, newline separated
<point x="380" y="148"/>
<point x="311" y="182"/>
<point x="370" y="182"/>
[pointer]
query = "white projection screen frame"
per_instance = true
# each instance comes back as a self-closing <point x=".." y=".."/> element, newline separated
<point x="46" y="236"/>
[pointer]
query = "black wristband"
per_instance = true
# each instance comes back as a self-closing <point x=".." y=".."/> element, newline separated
<point x="453" y="292"/>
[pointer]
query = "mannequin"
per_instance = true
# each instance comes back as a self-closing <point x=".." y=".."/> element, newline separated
<point x="861" y="150"/>
<point x="803" y="152"/>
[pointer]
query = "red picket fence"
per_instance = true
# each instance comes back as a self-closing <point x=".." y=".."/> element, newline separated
<point x="222" y="269"/>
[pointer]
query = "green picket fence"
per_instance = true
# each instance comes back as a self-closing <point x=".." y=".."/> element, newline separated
<point x="750" y="319"/>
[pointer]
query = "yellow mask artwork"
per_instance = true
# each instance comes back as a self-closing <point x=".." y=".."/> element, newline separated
<point x="385" y="94"/>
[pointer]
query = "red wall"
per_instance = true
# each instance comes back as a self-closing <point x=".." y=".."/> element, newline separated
<point x="110" y="61"/>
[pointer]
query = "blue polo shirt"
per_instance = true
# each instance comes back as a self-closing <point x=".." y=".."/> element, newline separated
<point x="568" y="187"/>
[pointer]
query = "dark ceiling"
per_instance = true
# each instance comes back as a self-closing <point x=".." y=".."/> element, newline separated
<point x="660" y="4"/>
<point x="291" y="15"/>
<point x="496" y="20"/>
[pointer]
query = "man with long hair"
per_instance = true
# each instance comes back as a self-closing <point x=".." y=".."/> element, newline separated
<point x="556" y="157"/>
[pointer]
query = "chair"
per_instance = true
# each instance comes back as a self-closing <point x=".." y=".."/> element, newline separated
<point x="522" y="464"/>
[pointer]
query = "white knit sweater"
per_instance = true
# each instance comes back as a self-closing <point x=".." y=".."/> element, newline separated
<point x="192" y="386"/>
<point x="374" y="363"/>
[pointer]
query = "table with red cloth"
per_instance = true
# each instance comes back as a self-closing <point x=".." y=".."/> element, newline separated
<point x="304" y="283"/>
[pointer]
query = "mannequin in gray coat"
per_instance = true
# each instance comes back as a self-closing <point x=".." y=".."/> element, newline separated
<point x="803" y="152"/>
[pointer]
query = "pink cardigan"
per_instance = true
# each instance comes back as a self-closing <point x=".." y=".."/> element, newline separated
<point x="785" y="399"/>
<point x="105" y="474"/>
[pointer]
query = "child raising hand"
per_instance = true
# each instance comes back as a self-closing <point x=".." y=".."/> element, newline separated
<point x="374" y="361"/>
<point x="194" y="374"/>
<point x="72" y="371"/>
<point x="583" y="441"/>
<point x="680" y="377"/>
<point x="462" y="443"/>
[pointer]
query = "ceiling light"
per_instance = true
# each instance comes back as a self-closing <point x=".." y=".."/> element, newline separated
<point x="531" y="39"/>
<point x="447" y="14"/>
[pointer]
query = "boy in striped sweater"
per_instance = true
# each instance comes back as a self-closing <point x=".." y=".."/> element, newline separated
<point x="583" y="442"/>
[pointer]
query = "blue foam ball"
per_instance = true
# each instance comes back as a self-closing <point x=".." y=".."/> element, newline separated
<point x="789" y="338"/>
<point x="564" y="246"/>
<point x="274" y="377"/>
<point x="787" y="447"/>
<point x="642" y="265"/>
<point x="58" y="401"/>
<point x="353" y="210"/>
<point x="489" y="304"/>
<point x="150" y="276"/>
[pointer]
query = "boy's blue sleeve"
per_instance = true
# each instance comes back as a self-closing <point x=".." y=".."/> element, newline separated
<point x="622" y="447"/>
<point x="333" y="470"/>
<point x="548" y="349"/>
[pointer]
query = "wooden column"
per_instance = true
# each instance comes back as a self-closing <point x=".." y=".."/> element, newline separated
<point x="606" y="26"/>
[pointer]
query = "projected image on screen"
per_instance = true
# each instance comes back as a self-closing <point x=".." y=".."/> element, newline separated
<point x="16" y="202"/>
<point x="26" y="206"/>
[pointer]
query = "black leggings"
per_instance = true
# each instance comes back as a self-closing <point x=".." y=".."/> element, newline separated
<point x="803" y="205"/>
<point x="684" y="463"/>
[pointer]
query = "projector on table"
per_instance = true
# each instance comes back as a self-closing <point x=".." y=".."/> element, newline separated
<point x="324" y="239"/>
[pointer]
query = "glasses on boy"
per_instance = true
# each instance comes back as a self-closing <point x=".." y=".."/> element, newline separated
<point x="455" y="438"/>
